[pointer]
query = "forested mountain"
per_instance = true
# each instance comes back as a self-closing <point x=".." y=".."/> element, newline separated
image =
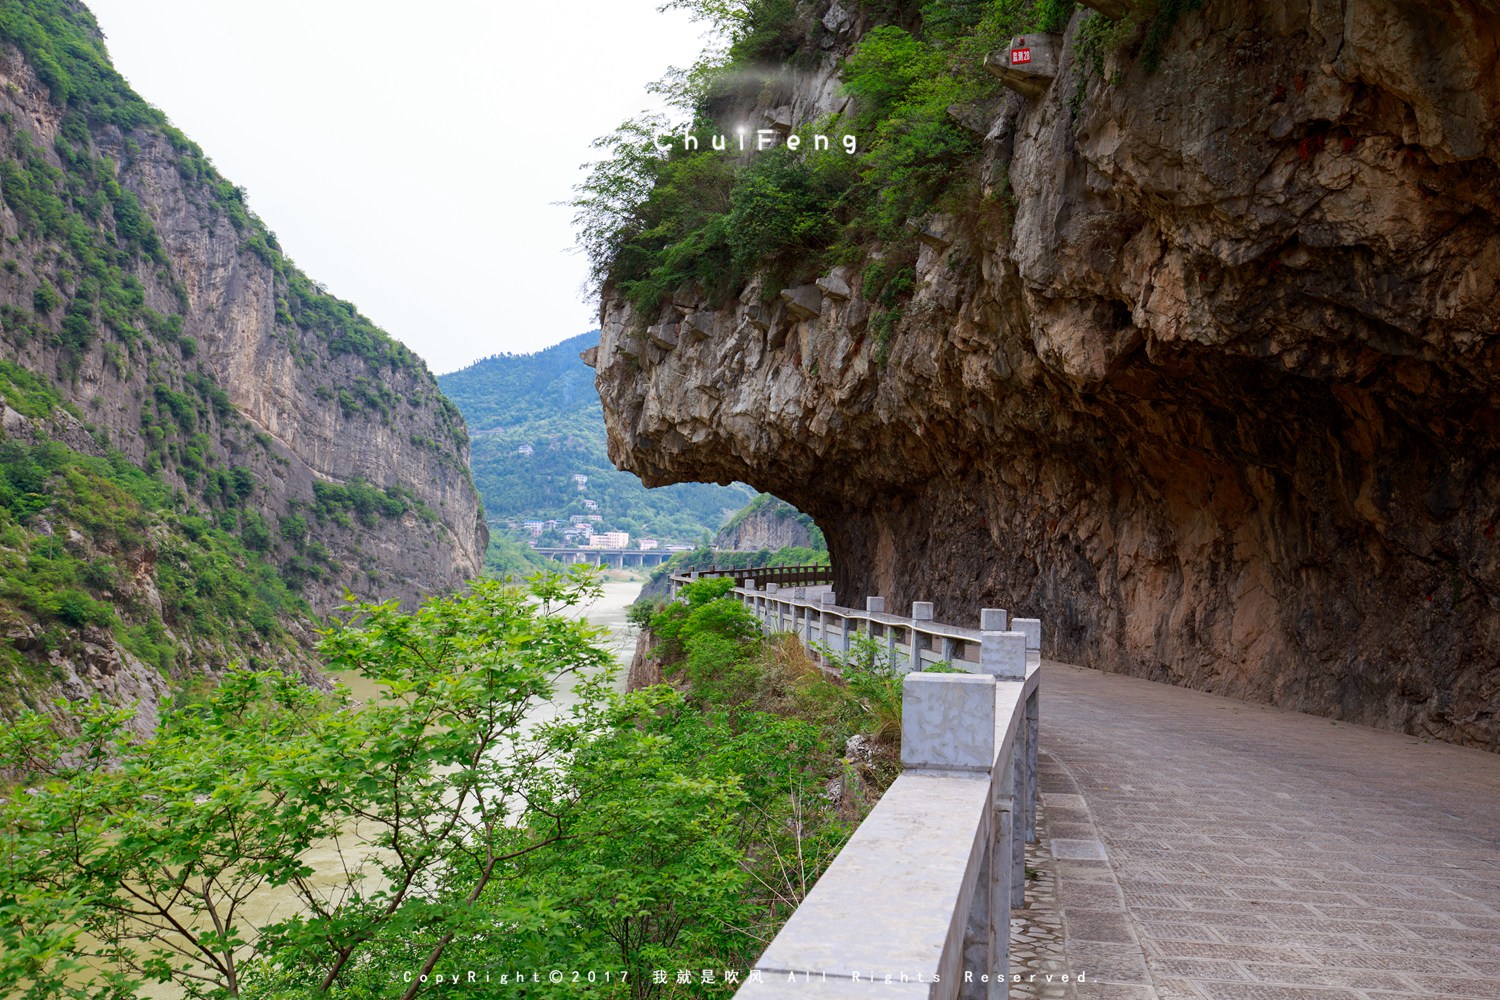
<point x="535" y="422"/>
<point x="200" y="449"/>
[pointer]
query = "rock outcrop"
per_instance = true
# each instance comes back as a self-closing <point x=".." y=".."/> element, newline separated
<point x="270" y="434"/>
<point x="303" y="409"/>
<point x="767" y="523"/>
<point x="1217" y="400"/>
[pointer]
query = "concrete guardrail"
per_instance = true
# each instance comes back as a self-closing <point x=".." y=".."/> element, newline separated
<point x="919" y="899"/>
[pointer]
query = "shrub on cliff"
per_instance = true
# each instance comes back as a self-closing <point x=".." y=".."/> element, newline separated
<point x="77" y="529"/>
<point x="655" y="216"/>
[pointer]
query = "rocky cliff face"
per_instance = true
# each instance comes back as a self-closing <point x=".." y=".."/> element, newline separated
<point x="767" y="523"/>
<point x="147" y="314"/>
<point x="1216" y="401"/>
<point x="302" y="410"/>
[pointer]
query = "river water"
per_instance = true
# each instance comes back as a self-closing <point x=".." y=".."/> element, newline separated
<point x="330" y="858"/>
<point x="607" y="611"/>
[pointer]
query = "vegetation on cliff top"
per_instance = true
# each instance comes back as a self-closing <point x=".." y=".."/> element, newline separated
<point x="653" y="223"/>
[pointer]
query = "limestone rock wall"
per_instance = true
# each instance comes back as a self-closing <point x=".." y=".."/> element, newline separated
<point x="777" y="525"/>
<point x="1217" y="401"/>
<point x="288" y="424"/>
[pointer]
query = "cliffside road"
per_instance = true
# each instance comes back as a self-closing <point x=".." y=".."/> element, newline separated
<point x="1203" y="847"/>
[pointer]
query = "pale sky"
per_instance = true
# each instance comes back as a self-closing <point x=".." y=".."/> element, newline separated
<point x="410" y="156"/>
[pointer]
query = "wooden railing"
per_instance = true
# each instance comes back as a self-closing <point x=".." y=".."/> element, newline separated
<point x="920" y="896"/>
<point x="782" y="576"/>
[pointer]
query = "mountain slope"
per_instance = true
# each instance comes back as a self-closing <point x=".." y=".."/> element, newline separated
<point x="546" y="402"/>
<point x="771" y="523"/>
<point x="199" y="448"/>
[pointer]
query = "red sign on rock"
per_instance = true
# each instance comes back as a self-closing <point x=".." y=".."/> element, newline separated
<point x="1020" y="56"/>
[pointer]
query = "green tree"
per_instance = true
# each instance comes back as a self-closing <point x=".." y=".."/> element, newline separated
<point x="123" y="860"/>
<point x="652" y="874"/>
<point x="885" y="66"/>
<point x="656" y="830"/>
<point x="46" y="297"/>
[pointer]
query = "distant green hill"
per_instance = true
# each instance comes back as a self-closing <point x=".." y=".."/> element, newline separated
<point x="546" y="402"/>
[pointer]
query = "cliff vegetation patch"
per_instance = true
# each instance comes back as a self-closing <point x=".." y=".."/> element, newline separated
<point x="94" y="550"/>
<point x="654" y="222"/>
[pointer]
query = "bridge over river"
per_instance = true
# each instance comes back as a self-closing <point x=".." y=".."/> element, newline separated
<point x="607" y="557"/>
<point x="1186" y="845"/>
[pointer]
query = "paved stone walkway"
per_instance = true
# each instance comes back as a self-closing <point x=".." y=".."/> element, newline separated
<point x="1202" y="847"/>
<point x="1036" y="934"/>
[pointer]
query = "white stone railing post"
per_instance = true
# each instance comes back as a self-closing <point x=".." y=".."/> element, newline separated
<point x="1032" y="629"/>
<point x="1017" y="770"/>
<point x="1006" y="894"/>
<point x="873" y="606"/>
<point x="948" y="724"/>
<point x="890" y="642"/>
<point x="1030" y="730"/>
<point x="1002" y="654"/>
<point x="830" y="601"/>
<point x="921" y="611"/>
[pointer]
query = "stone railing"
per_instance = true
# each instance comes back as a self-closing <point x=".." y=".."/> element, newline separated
<point x="920" y="896"/>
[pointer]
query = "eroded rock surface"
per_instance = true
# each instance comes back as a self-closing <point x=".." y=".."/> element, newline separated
<point x="1217" y="402"/>
<point x="303" y="410"/>
<point x="772" y="525"/>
